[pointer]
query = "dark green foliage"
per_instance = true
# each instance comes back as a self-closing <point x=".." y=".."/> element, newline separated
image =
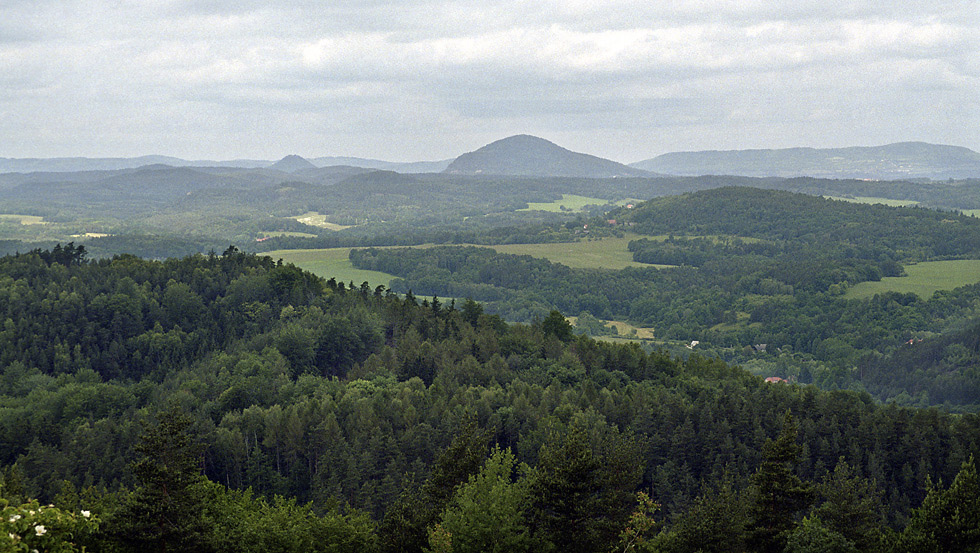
<point x="851" y="506"/>
<point x="555" y="324"/>
<point x="165" y="513"/>
<point x="948" y="520"/>
<point x="405" y="525"/>
<point x="290" y="403"/>
<point x="582" y="487"/>
<point x="779" y="493"/>
<point x="715" y="523"/>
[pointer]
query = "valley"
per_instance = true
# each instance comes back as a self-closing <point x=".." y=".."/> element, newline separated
<point x="352" y="339"/>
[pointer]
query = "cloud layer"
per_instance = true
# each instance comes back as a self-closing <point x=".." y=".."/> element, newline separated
<point x="432" y="79"/>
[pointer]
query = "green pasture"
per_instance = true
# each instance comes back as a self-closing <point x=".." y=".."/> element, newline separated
<point x="570" y="202"/>
<point x="923" y="279"/>
<point x="287" y="233"/>
<point x="971" y="212"/>
<point x="315" y="219"/>
<point x="873" y="200"/>
<point x="22" y="219"/>
<point x="604" y="253"/>
<point x="331" y="263"/>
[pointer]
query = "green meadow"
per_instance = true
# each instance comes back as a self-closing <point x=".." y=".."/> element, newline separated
<point x="923" y="279"/>
<point x="605" y="253"/>
<point x="331" y="263"/>
<point x="315" y="219"/>
<point x="287" y="233"/>
<point x="570" y="202"/>
<point x="22" y="219"/>
<point x="873" y="200"/>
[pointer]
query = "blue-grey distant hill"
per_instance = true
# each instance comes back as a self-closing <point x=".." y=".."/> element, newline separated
<point x="903" y="160"/>
<point x="77" y="164"/>
<point x="529" y="156"/>
<point x="292" y="164"/>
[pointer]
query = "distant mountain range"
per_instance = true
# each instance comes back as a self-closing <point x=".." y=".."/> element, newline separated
<point x="903" y="160"/>
<point x="530" y="156"/>
<point x="296" y="163"/>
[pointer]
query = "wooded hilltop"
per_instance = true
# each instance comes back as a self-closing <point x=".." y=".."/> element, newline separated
<point x="233" y="403"/>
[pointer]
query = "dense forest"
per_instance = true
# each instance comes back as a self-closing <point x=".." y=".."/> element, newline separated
<point x="752" y="275"/>
<point x="232" y="403"/>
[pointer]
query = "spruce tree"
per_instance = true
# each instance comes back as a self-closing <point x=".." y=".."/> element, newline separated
<point x="779" y="493"/>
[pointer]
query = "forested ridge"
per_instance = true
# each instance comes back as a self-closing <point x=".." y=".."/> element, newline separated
<point x="753" y="275"/>
<point x="232" y="403"/>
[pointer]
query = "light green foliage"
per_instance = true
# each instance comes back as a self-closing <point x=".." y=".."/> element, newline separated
<point x="948" y="520"/>
<point x="242" y="523"/>
<point x="31" y="527"/>
<point x="406" y="525"/>
<point x="640" y="523"/>
<point x="812" y="536"/>
<point x="487" y="512"/>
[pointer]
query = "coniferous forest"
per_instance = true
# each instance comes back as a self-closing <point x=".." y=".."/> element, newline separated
<point x="232" y="403"/>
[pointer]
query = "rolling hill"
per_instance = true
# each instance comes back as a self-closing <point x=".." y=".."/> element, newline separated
<point x="530" y="156"/>
<point x="903" y="160"/>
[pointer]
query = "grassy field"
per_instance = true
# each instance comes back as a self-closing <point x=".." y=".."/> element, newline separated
<point x="923" y="279"/>
<point x="22" y="219"/>
<point x="872" y="200"/>
<point x="286" y="233"/>
<point x="315" y="219"/>
<point x="606" y="253"/>
<point x="971" y="212"/>
<point x="570" y="202"/>
<point x="331" y="263"/>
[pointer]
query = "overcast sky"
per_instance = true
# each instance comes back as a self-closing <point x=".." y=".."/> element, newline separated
<point x="427" y="80"/>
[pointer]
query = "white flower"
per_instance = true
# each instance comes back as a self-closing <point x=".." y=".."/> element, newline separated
<point x="13" y="536"/>
<point x="86" y="514"/>
<point x="15" y="518"/>
<point x="39" y="530"/>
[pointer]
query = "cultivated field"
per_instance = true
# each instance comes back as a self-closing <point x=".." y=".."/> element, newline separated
<point x="923" y="279"/>
<point x="287" y="233"/>
<point x="605" y="253"/>
<point x="873" y="200"/>
<point x="315" y="219"/>
<point x="331" y="263"/>
<point x="22" y="219"/>
<point x="570" y="202"/>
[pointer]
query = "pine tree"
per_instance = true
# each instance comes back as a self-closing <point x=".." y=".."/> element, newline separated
<point x="165" y="512"/>
<point x="948" y="521"/>
<point x="780" y="494"/>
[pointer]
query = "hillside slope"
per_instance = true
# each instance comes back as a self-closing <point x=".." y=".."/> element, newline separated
<point x="893" y="161"/>
<point x="525" y="155"/>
